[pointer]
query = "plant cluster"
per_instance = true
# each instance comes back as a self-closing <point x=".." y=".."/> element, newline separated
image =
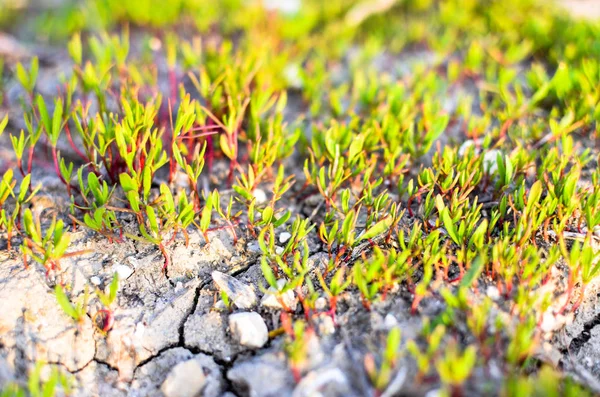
<point x="472" y="168"/>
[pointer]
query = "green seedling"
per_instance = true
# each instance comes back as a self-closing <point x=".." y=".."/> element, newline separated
<point x="104" y="318"/>
<point x="41" y="383"/>
<point x="28" y="78"/>
<point x="381" y="377"/>
<point x="455" y="367"/>
<point x="425" y="358"/>
<point x="338" y="283"/>
<point x="77" y="311"/>
<point x="45" y="248"/>
<point x="296" y="347"/>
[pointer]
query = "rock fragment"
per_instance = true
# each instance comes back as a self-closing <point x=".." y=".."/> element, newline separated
<point x="239" y="293"/>
<point x="262" y="376"/>
<point x="249" y="329"/>
<point x="284" y="237"/>
<point x="123" y="271"/>
<point x="186" y="379"/>
<point x="323" y="382"/>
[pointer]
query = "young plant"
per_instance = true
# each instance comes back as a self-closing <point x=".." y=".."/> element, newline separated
<point x="455" y="367"/>
<point x="77" y="311"/>
<point x="381" y="377"/>
<point x="104" y="318"/>
<point x="45" y="248"/>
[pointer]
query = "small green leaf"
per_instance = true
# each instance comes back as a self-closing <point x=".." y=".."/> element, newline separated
<point x="114" y="288"/>
<point x="268" y="273"/>
<point x="205" y="218"/>
<point x="65" y="303"/>
<point x="379" y="228"/>
<point x="3" y="124"/>
<point x="473" y="272"/>
<point x="449" y="225"/>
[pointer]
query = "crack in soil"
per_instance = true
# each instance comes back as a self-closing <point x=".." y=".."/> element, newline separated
<point x="583" y="337"/>
<point x="154" y="356"/>
<point x="112" y="368"/>
<point x="192" y="310"/>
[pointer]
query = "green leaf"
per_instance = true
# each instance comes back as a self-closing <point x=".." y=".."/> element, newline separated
<point x="22" y="75"/>
<point x="65" y="303"/>
<point x="3" y="124"/>
<point x="152" y="219"/>
<point x="535" y="193"/>
<point x="473" y="273"/>
<point x="268" y="273"/>
<point x="356" y="147"/>
<point x="449" y="225"/>
<point x="439" y="125"/>
<point x="146" y="181"/>
<point x="75" y="49"/>
<point x="267" y="214"/>
<point x="379" y="228"/>
<point x="114" y="288"/>
<point x="56" y="122"/>
<point x="205" y="218"/>
<point x="44" y="117"/>
<point x="393" y="343"/>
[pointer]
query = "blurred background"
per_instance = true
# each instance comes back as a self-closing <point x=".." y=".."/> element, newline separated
<point x="56" y="19"/>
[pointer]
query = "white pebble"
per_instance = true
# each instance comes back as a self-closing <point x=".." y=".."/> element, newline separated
<point x="284" y="237"/>
<point x="493" y="293"/>
<point x="390" y="321"/>
<point x="321" y="303"/>
<point x="123" y="271"/>
<point x="249" y="329"/>
<point x="260" y="196"/>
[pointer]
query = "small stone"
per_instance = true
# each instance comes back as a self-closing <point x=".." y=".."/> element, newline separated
<point x="155" y="44"/>
<point x="465" y="146"/>
<point x="390" y="321"/>
<point x="284" y="237"/>
<point x="325" y="325"/>
<point x="260" y="196"/>
<point x="186" y="379"/>
<point x="123" y="271"/>
<point x="253" y="247"/>
<point x="240" y="294"/>
<point x="262" y="376"/>
<point x="490" y="164"/>
<point x="292" y="76"/>
<point x="220" y="306"/>
<point x="288" y="297"/>
<point x="597" y="231"/>
<point x="323" y="382"/>
<point x="95" y="280"/>
<point x="249" y="329"/>
<point x="492" y="292"/>
<point x="279" y="250"/>
<point x="321" y="303"/>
